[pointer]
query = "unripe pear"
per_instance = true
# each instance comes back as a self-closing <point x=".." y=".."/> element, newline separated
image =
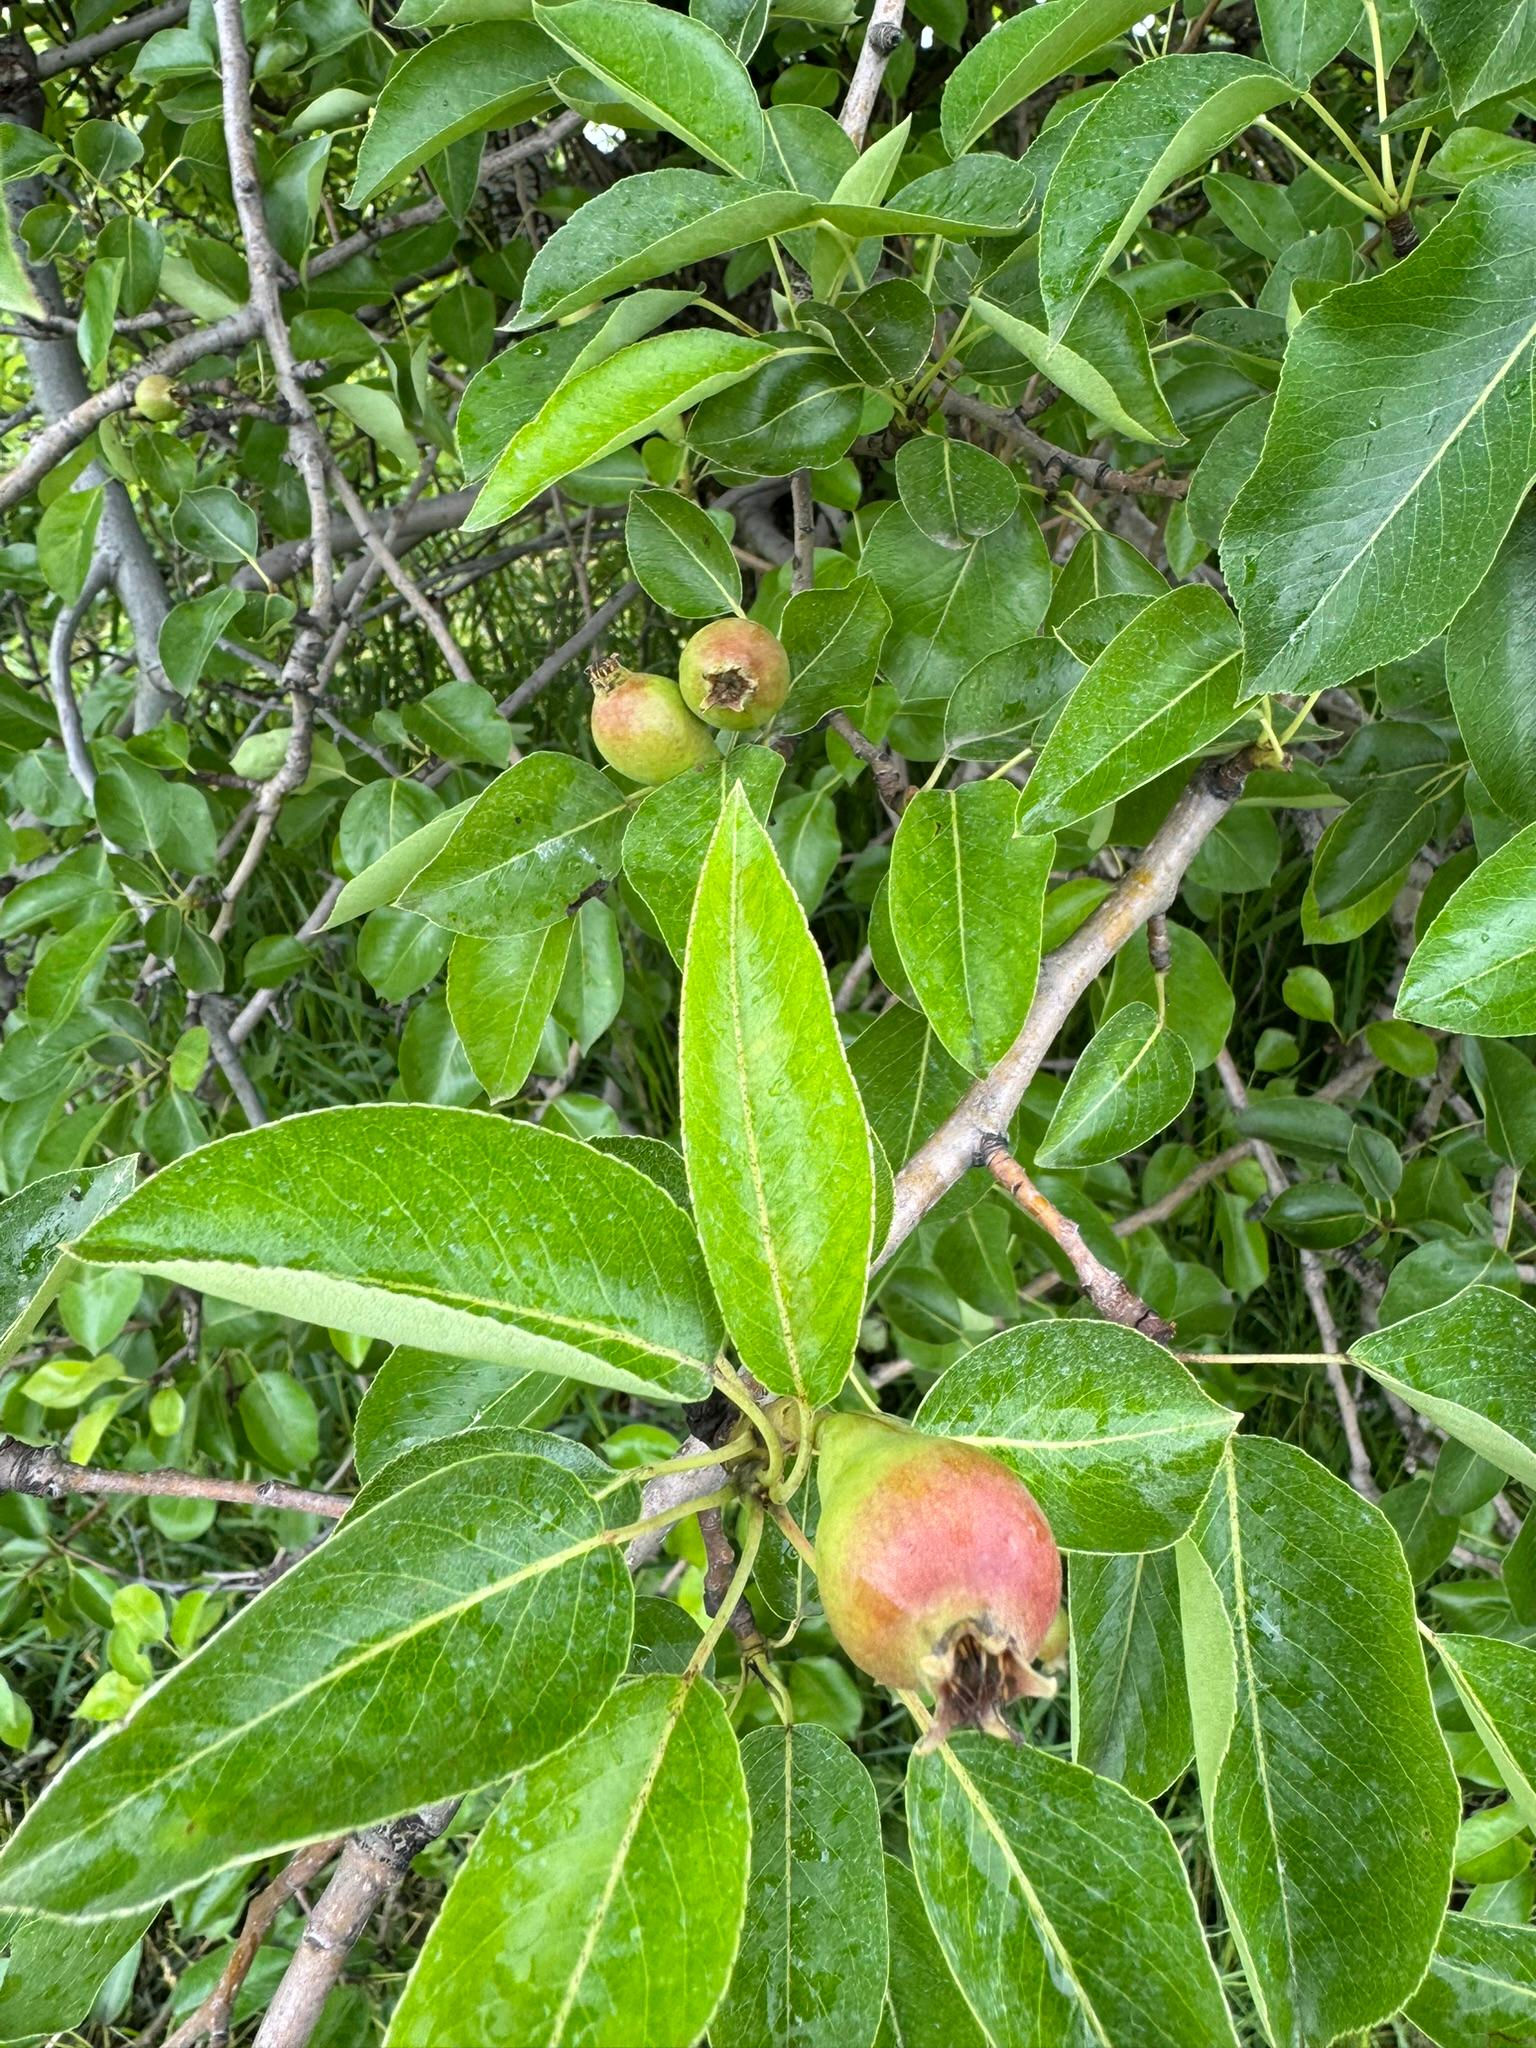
<point x="156" y="398"/>
<point x="734" y="674"/>
<point x="937" y="1570"/>
<point x="642" y="727"/>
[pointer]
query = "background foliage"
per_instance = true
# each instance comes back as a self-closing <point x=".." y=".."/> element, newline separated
<point x="1121" y="946"/>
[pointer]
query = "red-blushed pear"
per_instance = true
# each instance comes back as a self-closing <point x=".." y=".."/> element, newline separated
<point x="938" y="1572"/>
<point x="642" y="727"/>
<point x="734" y="674"/>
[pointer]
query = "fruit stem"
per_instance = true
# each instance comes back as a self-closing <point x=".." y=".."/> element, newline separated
<point x="792" y="1532"/>
<point x="776" y="1690"/>
<point x="721" y="1619"/>
<point x="915" y="1708"/>
<point x="790" y="1486"/>
<point x="728" y="1380"/>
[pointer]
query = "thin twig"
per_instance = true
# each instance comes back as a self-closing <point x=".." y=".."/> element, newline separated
<point x="213" y="2016"/>
<point x="88" y="49"/>
<point x="38" y="1469"/>
<point x="1110" y="1295"/>
<point x="1103" y="476"/>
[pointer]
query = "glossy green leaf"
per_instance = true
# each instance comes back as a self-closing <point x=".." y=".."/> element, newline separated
<point x="1130" y="1708"/>
<point x="966" y="893"/>
<point x="1466" y="1364"/>
<point x="1060" y="1902"/>
<point x="680" y="557"/>
<point x="1131" y="1081"/>
<point x="1400" y="447"/>
<point x="1374" y="840"/>
<point x="1301" y="36"/>
<point x="833" y="639"/>
<point x="53" y="1973"/>
<point x="441" y="1228"/>
<point x="500" y="994"/>
<point x="485" y="75"/>
<point x="1102" y="360"/>
<point x="416" y="1397"/>
<point x="1111" y="1434"/>
<point x="882" y="334"/>
<point x="465" y="1626"/>
<point x="604" y="1896"/>
<point x="773" y="1129"/>
<point x="615" y="401"/>
<point x="1497" y="1684"/>
<point x="1472" y="970"/>
<point x="1316" y="1740"/>
<point x="388" y="873"/>
<point x="1481" y="1987"/>
<point x="813" y="1951"/>
<point x="651" y="225"/>
<point x="37" y="1223"/>
<point x="1008" y="699"/>
<point x="670" y="833"/>
<point x="800" y="411"/>
<point x="909" y="1085"/>
<point x="1019" y="56"/>
<point x="1154" y="125"/>
<point x="524" y="853"/>
<point x="1164" y="687"/>
<point x="1483" y="51"/>
<point x="675" y="70"/>
<point x="954" y="492"/>
<point x="1490" y="671"/>
<point x="923" y="2005"/>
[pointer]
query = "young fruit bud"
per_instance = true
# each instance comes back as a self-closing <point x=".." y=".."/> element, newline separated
<point x="734" y="674"/>
<point x="937" y="1569"/>
<point x="642" y="727"/>
<point x="156" y="398"/>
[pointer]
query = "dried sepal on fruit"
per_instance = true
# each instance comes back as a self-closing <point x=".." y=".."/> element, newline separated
<point x="938" y="1572"/>
<point x="642" y="727"/>
<point x="734" y="674"/>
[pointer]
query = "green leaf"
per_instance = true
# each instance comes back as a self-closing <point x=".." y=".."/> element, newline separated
<point x="1302" y="36"/>
<point x="954" y="492"/>
<point x="1481" y="1987"/>
<point x="36" y="1224"/>
<point x="1112" y="1435"/>
<point x="833" y="639"/>
<point x="389" y="872"/>
<point x="592" y="986"/>
<point x="1200" y="1004"/>
<point x="487" y="75"/>
<point x="1471" y="971"/>
<point x="680" y="557"/>
<point x="467" y="1625"/>
<point x="500" y="994"/>
<point x="1399" y="450"/>
<point x="1102" y="360"/>
<point x="380" y="815"/>
<point x="1130" y="1708"/>
<point x="441" y="1228"/>
<point x="1483" y="51"/>
<point x="416" y="1397"/>
<point x="1154" y="125"/>
<point x="806" y="838"/>
<point x="978" y="195"/>
<point x="53" y="1972"/>
<point x="670" y="833"/>
<point x="281" y="1422"/>
<point x="813" y="1950"/>
<point x="1060" y="1902"/>
<point x="613" y="402"/>
<point x="801" y="410"/>
<point x="1497" y="1684"/>
<point x="190" y="631"/>
<point x="1374" y="840"/>
<point x="525" y="852"/>
<point x="909" y="1084"/>
<point x="883" y="334"/>
<point x="675" y="70"/>
<point x="651" y="225"/>
<point x="1020" y="55"/>
<point x="950" y="606"/>
<point x="785" y="1202"/>
<point x="214" y="523"/>
<point x="966" y="895"/>
<point x="66" y="540"/>
<point x="923" y="2005"/>
<point x="1306" y="1674"/>
<point x="1131" y="1081"/>
<point x="1490" y="671"/>
<point x="17" y="294"/>
<point x="1164" y="687"/>
<point x="606" y="1889"/>
<point x="1008" y="698"/>
<point x="1466" y="1364"/>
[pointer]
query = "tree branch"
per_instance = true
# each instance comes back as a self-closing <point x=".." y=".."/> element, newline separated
<point x="1103" y="476"/>
<point x="986" y="1109"/>
<point x="61" y="643"/>
<point x="105" y="40"/>
<point x="1114" y="1300"/>
<point x="38" y="1469"/>
<point x="372" y="1864"/>
<point x="881" y="40"/>
<point x="212" y="2017"/>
